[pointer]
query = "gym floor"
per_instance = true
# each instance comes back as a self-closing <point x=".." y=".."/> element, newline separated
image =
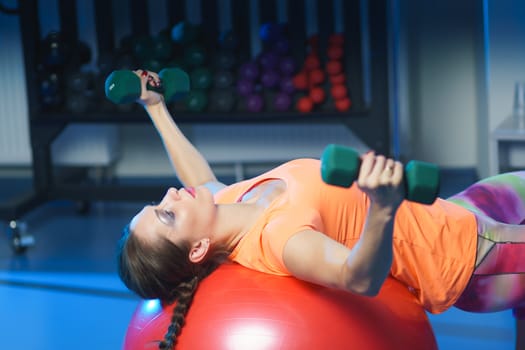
<point x="64" y="291"/>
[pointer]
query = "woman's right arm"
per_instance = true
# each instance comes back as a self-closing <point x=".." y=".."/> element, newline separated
<point x="190" y="166"/>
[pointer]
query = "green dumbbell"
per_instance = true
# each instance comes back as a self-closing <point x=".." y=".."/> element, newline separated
<point x="340" y="167"/>
<point x="123" y="86"/>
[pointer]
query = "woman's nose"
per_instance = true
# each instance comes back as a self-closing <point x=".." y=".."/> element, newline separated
<point x="172" y="193"/>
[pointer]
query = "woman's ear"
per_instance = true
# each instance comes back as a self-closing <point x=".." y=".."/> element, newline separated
<point x="199" y="250"/>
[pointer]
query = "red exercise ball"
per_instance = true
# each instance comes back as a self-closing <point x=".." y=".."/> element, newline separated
<point x="237" y="308"/>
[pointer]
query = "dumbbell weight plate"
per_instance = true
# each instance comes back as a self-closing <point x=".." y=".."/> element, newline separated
<point x="196" y="101"/>
<point x="339" y="165"/>
<point x="78" y="102"/>
<point x="422" y="181"/>
<point x="222" y="100"/>
<point x="223" y="79"/>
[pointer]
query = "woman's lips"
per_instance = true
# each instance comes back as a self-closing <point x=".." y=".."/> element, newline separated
<point x="191" y="191"/>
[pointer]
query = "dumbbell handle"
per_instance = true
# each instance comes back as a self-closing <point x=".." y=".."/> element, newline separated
<point x="340" y="167"/>
<point x="124" y="86"/>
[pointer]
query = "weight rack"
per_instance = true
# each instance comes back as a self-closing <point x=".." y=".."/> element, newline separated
<point x="365" y="60"/>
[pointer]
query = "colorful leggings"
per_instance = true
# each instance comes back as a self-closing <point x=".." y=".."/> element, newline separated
<point x="498" y="282"/>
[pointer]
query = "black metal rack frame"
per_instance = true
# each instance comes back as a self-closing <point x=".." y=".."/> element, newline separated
<point x="370" y="121"/>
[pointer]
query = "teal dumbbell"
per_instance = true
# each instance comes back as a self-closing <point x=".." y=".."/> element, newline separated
<point x="123" y="86"/>
<point x="340" y="167"/>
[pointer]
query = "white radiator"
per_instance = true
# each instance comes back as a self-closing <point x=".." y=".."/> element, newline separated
<point x="270" y="142"/>
<point x="79" y="145"/>
<point x="14" y="130"/>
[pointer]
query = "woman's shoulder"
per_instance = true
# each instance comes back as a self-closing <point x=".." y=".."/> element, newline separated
<point x="302" y="162"/>
<point x="292" y="169"/>
<point x="297" y="168"/>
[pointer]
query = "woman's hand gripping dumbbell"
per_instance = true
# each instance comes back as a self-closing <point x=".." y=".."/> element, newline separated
<point x="340" y="166"/>
<point x="124" y="86"/>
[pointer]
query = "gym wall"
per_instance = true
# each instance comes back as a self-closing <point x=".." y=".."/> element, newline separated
<point x="428" y="113"/>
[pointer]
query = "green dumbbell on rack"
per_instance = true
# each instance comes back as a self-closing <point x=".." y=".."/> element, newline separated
<point x="123" y="86"/>
<point x="340" y="167"/>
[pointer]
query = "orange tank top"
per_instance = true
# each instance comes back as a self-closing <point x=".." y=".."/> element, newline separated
<point x="434" y="245"/>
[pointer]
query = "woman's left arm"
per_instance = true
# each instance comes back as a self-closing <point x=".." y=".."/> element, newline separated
<point x="313" y="256"/>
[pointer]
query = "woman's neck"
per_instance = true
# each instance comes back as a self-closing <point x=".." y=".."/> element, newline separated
<point x="234" y="221"/>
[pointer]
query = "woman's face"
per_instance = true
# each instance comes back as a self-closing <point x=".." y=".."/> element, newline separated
<point x="186" y="214"/>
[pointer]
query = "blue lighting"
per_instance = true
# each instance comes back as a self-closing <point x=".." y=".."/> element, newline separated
<point x="152" y="306"/>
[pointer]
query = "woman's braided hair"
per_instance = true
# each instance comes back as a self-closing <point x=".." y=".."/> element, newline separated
<point x="162" y="270"/>
<point x="184" y="297"/>
<point x="185" y="293"/>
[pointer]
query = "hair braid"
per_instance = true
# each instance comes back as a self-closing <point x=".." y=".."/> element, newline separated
<point x="162" y="270"/>
<point x="183" y="294"/>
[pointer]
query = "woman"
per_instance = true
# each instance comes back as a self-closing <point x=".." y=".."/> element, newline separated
<point x="288" y="222"/>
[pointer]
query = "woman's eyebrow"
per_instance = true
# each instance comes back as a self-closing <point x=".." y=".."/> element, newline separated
<point x="158" y="214"/>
